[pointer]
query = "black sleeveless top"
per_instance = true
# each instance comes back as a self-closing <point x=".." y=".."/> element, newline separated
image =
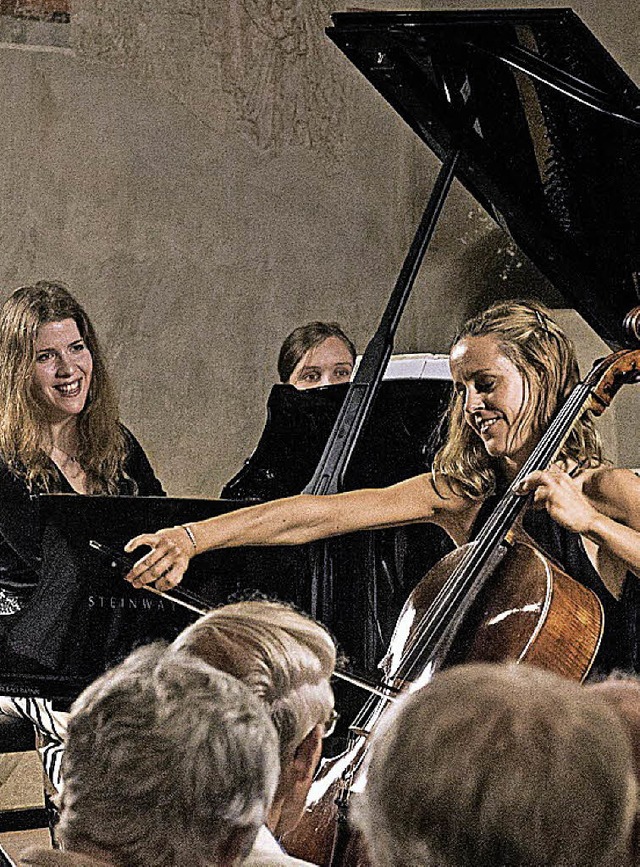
<point x="620" y="646"/>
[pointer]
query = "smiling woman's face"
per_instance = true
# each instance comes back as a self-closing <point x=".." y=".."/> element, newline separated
<point x="62" y="370"/>
<point x="493" y="392"/>
<point x="329" y="363"/>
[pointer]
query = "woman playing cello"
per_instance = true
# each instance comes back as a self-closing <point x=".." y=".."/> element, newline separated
<point x="512" y="367"/>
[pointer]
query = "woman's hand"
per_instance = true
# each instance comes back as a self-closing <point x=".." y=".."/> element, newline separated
<point x="562" y="497"/>
<point x="603" y="506"/>
<point x="166" y="563"/>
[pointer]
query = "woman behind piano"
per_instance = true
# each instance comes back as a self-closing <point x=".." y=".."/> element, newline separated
<point x="316" y="354"/>
<point x="312" y="356"/>
<point x="59" y="432"/>
<point x="511" y="366"/>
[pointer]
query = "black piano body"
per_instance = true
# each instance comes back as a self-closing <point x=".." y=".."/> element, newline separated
<point x="547" y="128"/>
<point x="397" y="442"/>
<point x="83" y="617"/>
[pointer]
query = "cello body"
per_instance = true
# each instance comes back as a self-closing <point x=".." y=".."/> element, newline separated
<point x="530" y="611"/>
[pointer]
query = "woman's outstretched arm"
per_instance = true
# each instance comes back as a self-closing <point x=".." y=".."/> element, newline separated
<point x="289" y="521"/>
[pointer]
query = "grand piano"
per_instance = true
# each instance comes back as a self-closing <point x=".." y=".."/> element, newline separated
<point x="533" y="116"/>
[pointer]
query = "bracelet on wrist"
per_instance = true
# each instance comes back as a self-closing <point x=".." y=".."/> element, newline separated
<point x="189" y="533"/>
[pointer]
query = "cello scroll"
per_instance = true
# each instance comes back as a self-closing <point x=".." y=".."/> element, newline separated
<point x="610" y="374"/>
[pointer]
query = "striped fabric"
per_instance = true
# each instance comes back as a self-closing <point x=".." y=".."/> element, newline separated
<point x="50" y="727"/>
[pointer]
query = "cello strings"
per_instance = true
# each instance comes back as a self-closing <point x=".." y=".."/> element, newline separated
<point x="447" y="599"/>
<point x="461" y="580"/>
<point x="464" y="574"/>
<point x="507" y="508"/>
<point x="545" y="451"/>
<point x="542" y="455"/>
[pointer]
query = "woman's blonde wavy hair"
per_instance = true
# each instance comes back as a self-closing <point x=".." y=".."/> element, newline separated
<point x="24" y="443"/>
<point x="545" y="357"/>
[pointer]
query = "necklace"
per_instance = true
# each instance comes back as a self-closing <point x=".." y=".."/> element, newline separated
<point x="71" y="468"/>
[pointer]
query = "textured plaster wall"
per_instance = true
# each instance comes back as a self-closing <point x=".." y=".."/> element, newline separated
<point x="205" y="176"/>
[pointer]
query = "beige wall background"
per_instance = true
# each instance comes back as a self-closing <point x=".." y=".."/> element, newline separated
<point x="207" y="174"/>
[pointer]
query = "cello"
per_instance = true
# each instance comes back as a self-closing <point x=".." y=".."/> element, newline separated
<point x="498" y="598"/>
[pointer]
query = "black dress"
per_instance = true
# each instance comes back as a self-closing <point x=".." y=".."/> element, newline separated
<point x="20" y="563"/>
<point x="19" y="532"/>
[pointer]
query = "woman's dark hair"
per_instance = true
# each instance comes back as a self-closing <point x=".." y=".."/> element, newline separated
<point x="307" y="337"/>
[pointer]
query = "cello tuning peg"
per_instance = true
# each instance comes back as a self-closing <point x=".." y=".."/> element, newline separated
<point x="631" y="326"/>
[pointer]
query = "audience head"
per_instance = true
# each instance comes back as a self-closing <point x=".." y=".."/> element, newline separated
<point x="25" y="411"/>
<point x="316" y="354"/>
<point x="524" y="333"/>
<point x="622" y="693"/>
<point x="167" y="762"/>
<point x="499" y="765"/>
<point x="287" y="660"/>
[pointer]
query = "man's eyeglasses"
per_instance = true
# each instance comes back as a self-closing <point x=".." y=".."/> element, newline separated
<point x="330" y="724"/>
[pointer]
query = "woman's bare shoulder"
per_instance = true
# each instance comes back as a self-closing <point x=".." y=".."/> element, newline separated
<point x="615" y="489"/>
<point x="607" y="478"/>
<point x="453" y="512"/>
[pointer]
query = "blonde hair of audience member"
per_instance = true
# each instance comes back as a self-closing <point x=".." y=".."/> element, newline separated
<point x="24" y="444"/>
<point x="499" y="765"/>
<point x="168" y="762"/>
<point x="316" y="354"/>
<point x="286" y="659"/>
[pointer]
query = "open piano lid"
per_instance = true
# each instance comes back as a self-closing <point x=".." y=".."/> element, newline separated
<point x="548" y="129"/>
